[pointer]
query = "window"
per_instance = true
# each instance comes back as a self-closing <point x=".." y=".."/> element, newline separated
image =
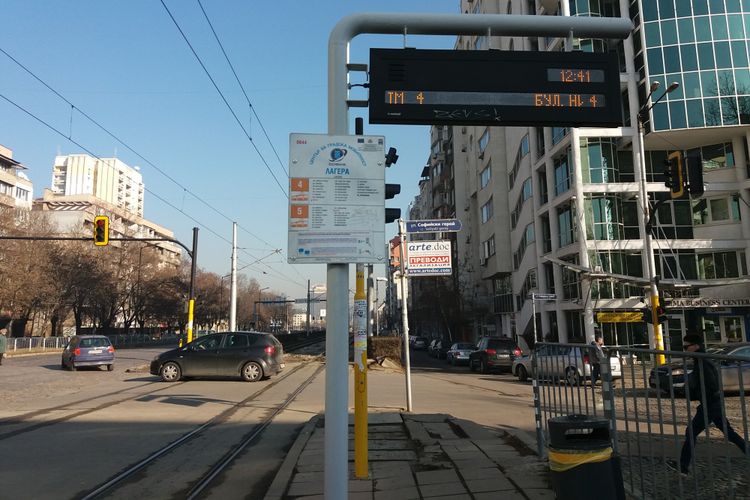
<point x="528" y="238"/>
<point x="565" y="224"/>
<point x="484" y="140"/>
<point x="604" y="218"/>
<point x="526" y="192"/>
<point x="558" y="134"/>
<point x="524" y="148"/>
<point x="487" y="211"/>
<point x="480" y="43"/>
<point x="503" y="292"/>
<point x="563" y="175"/>
<point x="571" y="281"/>
<point x="485" y="176"/>
<point x="237" y="341"/>
<point x="717" y="156"/>
<point x="716" y="210"/>
<point x="529" y="284"/>
<point x="543" y="190"/>
<point x="488" y="247"/>
<point x="718" y="265"/>
<point x="546" y="235"/>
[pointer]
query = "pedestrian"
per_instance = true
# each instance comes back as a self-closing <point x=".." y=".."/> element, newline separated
<point x="3" y="344"/>
<point x="598" y="355"/>
<point x="704" y="378"/>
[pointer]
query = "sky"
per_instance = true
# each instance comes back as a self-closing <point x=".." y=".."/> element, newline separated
<point x="126" y="65"/>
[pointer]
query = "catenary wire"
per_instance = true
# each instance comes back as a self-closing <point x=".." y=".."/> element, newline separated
<point x="242" y="87"/>
<point x="168" y="203"/>
<point x="223" y="98"/>
<point x="123" y="143"/>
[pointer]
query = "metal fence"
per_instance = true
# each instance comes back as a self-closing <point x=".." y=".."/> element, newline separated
<point x="19" y="345"/>
<point x="650" y="399"/>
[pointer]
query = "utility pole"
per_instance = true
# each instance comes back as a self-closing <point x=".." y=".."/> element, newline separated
<point x="191" y="291"/>
<point x="307" y="318"/>
<point x="371" y="301"/>
<point x="233" y="281"/>
<point x="404" y="310"/>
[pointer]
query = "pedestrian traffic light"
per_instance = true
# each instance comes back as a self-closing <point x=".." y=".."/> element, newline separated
<point x="391" y="190"/>
<point x="674" y="177"/>
<point x="101" y="230"/>
<point x="661" y="314"/>
<point x="647" y="315"/>
<point x="695" y="173"/>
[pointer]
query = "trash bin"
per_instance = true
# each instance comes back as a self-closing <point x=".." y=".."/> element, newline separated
<point x="582" y="463"/>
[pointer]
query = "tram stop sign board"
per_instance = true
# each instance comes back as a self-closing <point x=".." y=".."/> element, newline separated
<point x="493" y="87"/>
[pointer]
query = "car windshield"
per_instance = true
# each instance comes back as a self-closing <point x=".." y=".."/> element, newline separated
<point x="464" y="346"/>
<point x="95" y="342"/>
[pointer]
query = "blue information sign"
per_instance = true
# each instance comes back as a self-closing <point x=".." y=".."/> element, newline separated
<point x="433" y="226"/>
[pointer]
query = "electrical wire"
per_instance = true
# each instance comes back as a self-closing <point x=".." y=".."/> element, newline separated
<point x="123" y="143"/>
<point x="242" y="87"/>
<point x="223" y="98"/>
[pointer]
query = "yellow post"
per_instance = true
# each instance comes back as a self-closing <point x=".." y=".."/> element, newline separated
<point x="360" y="376"/>
<point x="658" y="338"/>
<point x="191" y="304"/>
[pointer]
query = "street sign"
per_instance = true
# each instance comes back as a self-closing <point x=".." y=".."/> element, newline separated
<point x="494" y="87"/>
<point x="433" y="226"/>
<point x="543" y="296"/>
<point x="336" y="199"/>
<point x="428" y="258"/>
<point x="619" y="317"/>
<point x="305" y="301"/>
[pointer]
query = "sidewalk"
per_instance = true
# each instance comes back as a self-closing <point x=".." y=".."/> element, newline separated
<point x="416" y="456"/>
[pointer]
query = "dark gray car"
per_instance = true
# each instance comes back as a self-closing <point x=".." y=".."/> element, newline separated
<point x="249" y="355"/>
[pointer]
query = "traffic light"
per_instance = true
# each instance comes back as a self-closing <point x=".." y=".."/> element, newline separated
<point x="647" y="315"/>
<point x="391" y="190"/>
<point x="674" y="177"/>
<point x="661" y="314"/>
<point x="101" y="230"/>
<point x="695" y="174"/>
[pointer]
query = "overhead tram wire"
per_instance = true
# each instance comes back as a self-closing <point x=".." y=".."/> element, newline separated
<point x="127" y="146"/>
<point x="242" y="87"/>
<point x="273" y="273"/>
<point x="223" y="98"/>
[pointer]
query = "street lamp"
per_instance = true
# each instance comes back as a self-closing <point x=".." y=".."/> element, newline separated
<point x="257" y="307"/>
<point x="646" y="208"/>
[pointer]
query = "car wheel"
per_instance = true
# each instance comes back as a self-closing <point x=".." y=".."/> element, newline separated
<point x="252" y="372"/>
<point x="453" y="361"/>
<point x="110" y="368"/>
<point x="170" y="372"/>
<point x="63" y="366"/>
<point x="523" y="375"/>
<point x="483" y="366"/>
<point x="472" y="367"/>
<point x="572" y="377"/>
<point x="72" y="366"/>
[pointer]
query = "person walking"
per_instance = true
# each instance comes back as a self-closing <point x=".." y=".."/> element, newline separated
<point x="3" y="344"/>
<point x="704" y="378"/>
<point x="598" y="355"/>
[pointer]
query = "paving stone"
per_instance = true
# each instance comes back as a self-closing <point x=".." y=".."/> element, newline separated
<point x="390" y="469"/>
<point x="298" y="488"/>
<point x="539" y="494"/>
<point x="309" y="497"/>
<point x="495" y="495"/>
<point x="482" y="473"/>
<point x="474" y="430"/>
<point x="474" y="463"/>
<point x="526" y="479"/>
<point x="427" y="417"/>
<point x="436" y="476"/>
<point x="357" y="485"/>
<point x="309" y="458"/>
<point x="442" y="489"/>
<point x="310" y="467"/>
<point x="389" y="444"/>
<point x="418" y="433"/>
<point x="309" y="476"/>
<point x="432" y="448"/>
<point x="394" y="482"/>
<point x="398" y="494"/>
<point x="451" y="497"/>
<point x="440" y="429"/>
<point x="484" y="485"/>
<point x="389" y="455"/>
<point x="466" y="455"/>
<point x="458" y="445"/>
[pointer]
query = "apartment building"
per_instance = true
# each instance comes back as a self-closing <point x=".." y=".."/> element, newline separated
<point x="557" y="210"/>
<point x="16" y="190"/>
<point x="108" y="179"/>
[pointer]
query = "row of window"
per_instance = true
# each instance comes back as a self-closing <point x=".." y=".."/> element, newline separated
<point x="526" y="192"/>
<point x="667" y="9"/>
<point x="527" y="239"/>
<point x="523" y="150"/>
<point x="697" y="29"/>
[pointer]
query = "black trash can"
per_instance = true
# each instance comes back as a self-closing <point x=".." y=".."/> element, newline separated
<point x="582" y="463"/>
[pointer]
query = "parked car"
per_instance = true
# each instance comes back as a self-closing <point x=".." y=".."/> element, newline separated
<point x="569" y="363"/>
<point x="431" y="347"/>
<point x="459" y="353"/>
<point x="522" y="367"/>
<point x="730" y="370"/>
<point x="88" y="350"/>
<point x="440" y="350"/>
<point x="249" y="355"/>
<point x="420" y="344"/>
<point x="494" y="353"/>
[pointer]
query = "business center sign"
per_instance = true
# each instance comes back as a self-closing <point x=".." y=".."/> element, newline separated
<point x="428" y="258"/>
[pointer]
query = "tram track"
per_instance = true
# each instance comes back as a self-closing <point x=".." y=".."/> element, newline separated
<point x="215" y="469"/>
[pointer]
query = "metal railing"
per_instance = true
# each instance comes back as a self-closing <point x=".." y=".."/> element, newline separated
<point x="650" y="408"/>
<point x="20" y="345"/>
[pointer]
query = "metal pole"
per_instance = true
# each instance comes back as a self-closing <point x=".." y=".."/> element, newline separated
<point x="533" y="315"/>
<point x="233" y="285"/>
<point x="657" y="342"/>
<point x="191" y="292"/>
<point x="371" y="301"/>
<point x="307" y="319"/>
<point x="404" y="311"/>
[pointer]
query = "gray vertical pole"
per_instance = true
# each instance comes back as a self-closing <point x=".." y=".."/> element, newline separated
<point x="405" y="311"/>
<point x="533" y="315"/>
<point x="307" y="319"/>
<point x="233" y="286"/>
<point x="371" y="301"/>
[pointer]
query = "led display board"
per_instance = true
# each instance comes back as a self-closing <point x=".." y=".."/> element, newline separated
<point x="493" y="87"/>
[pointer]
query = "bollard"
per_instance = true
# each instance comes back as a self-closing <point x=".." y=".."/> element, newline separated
<point x="583" y="465"/>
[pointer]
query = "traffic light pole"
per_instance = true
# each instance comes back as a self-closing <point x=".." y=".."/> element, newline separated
<point x="191" y="292"/>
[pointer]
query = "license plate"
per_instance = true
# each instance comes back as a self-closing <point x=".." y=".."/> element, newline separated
<point x="95" y="351"/>
<point x="503" y="356"/>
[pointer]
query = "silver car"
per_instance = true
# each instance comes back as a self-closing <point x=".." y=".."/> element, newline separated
<point x="459" y="353"/>
<point x="570" y="363"/>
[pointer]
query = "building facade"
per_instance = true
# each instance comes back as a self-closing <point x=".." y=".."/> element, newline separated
<point x="107" y="179"/>
<point x="16" y="190"/>
<point x="560" y="211"/>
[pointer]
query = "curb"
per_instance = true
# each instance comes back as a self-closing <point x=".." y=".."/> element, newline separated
<point x="284" y="474"/>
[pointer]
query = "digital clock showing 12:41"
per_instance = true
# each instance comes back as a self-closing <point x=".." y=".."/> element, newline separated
<point x="575" y="75"/>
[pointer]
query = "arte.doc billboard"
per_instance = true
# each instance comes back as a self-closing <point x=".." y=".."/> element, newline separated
<point x="428" y="258"/>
